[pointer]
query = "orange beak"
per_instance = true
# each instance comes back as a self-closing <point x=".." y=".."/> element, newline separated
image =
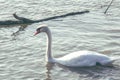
<point x="36" y="33"/>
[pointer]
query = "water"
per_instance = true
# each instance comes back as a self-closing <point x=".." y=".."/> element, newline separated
<point x="22" y="56"/>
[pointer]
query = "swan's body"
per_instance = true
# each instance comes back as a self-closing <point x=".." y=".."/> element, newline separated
<point x="84" y="58"/>
<point x="75" y="59"/>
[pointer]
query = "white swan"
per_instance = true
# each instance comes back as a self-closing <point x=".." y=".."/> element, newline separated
<point x="75" y="59"/>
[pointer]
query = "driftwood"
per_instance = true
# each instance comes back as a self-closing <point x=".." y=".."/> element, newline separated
<point x="22" y="20"/>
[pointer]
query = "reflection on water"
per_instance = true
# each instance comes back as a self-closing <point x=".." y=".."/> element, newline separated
<point x="49" y="67"/>
<point x="95" y="72"/>
<point x="21" y="28"/>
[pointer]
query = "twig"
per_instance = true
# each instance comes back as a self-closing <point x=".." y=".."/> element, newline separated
<point x="108" y="7"/>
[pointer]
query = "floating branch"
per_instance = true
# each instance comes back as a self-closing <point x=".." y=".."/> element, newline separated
<point x="22" y="20"/>
<point x="108" y="7"/>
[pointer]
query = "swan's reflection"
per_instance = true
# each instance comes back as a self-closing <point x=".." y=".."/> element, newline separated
<point x="49" y="66"/>
<point x="94" y="72"/>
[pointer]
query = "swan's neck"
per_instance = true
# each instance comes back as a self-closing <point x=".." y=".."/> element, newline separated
<point x="49" y="57"/>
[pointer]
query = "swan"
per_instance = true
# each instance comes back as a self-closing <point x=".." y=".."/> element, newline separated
<point x="75" y="59"/>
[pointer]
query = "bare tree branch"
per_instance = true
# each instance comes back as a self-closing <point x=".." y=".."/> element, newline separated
<point x="22" y="20"/>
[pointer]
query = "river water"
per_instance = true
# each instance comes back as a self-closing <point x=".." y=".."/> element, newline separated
<point x="22" y="57"/>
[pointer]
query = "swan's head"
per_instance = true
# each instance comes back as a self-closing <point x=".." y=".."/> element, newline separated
<point x="42" y="28"/>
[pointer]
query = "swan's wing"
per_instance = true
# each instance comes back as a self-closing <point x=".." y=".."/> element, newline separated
<point x="84" y="58"/>
<point x="80" y="58"/>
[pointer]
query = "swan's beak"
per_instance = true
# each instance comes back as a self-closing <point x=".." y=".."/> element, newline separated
<point x="36" y="33"/>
